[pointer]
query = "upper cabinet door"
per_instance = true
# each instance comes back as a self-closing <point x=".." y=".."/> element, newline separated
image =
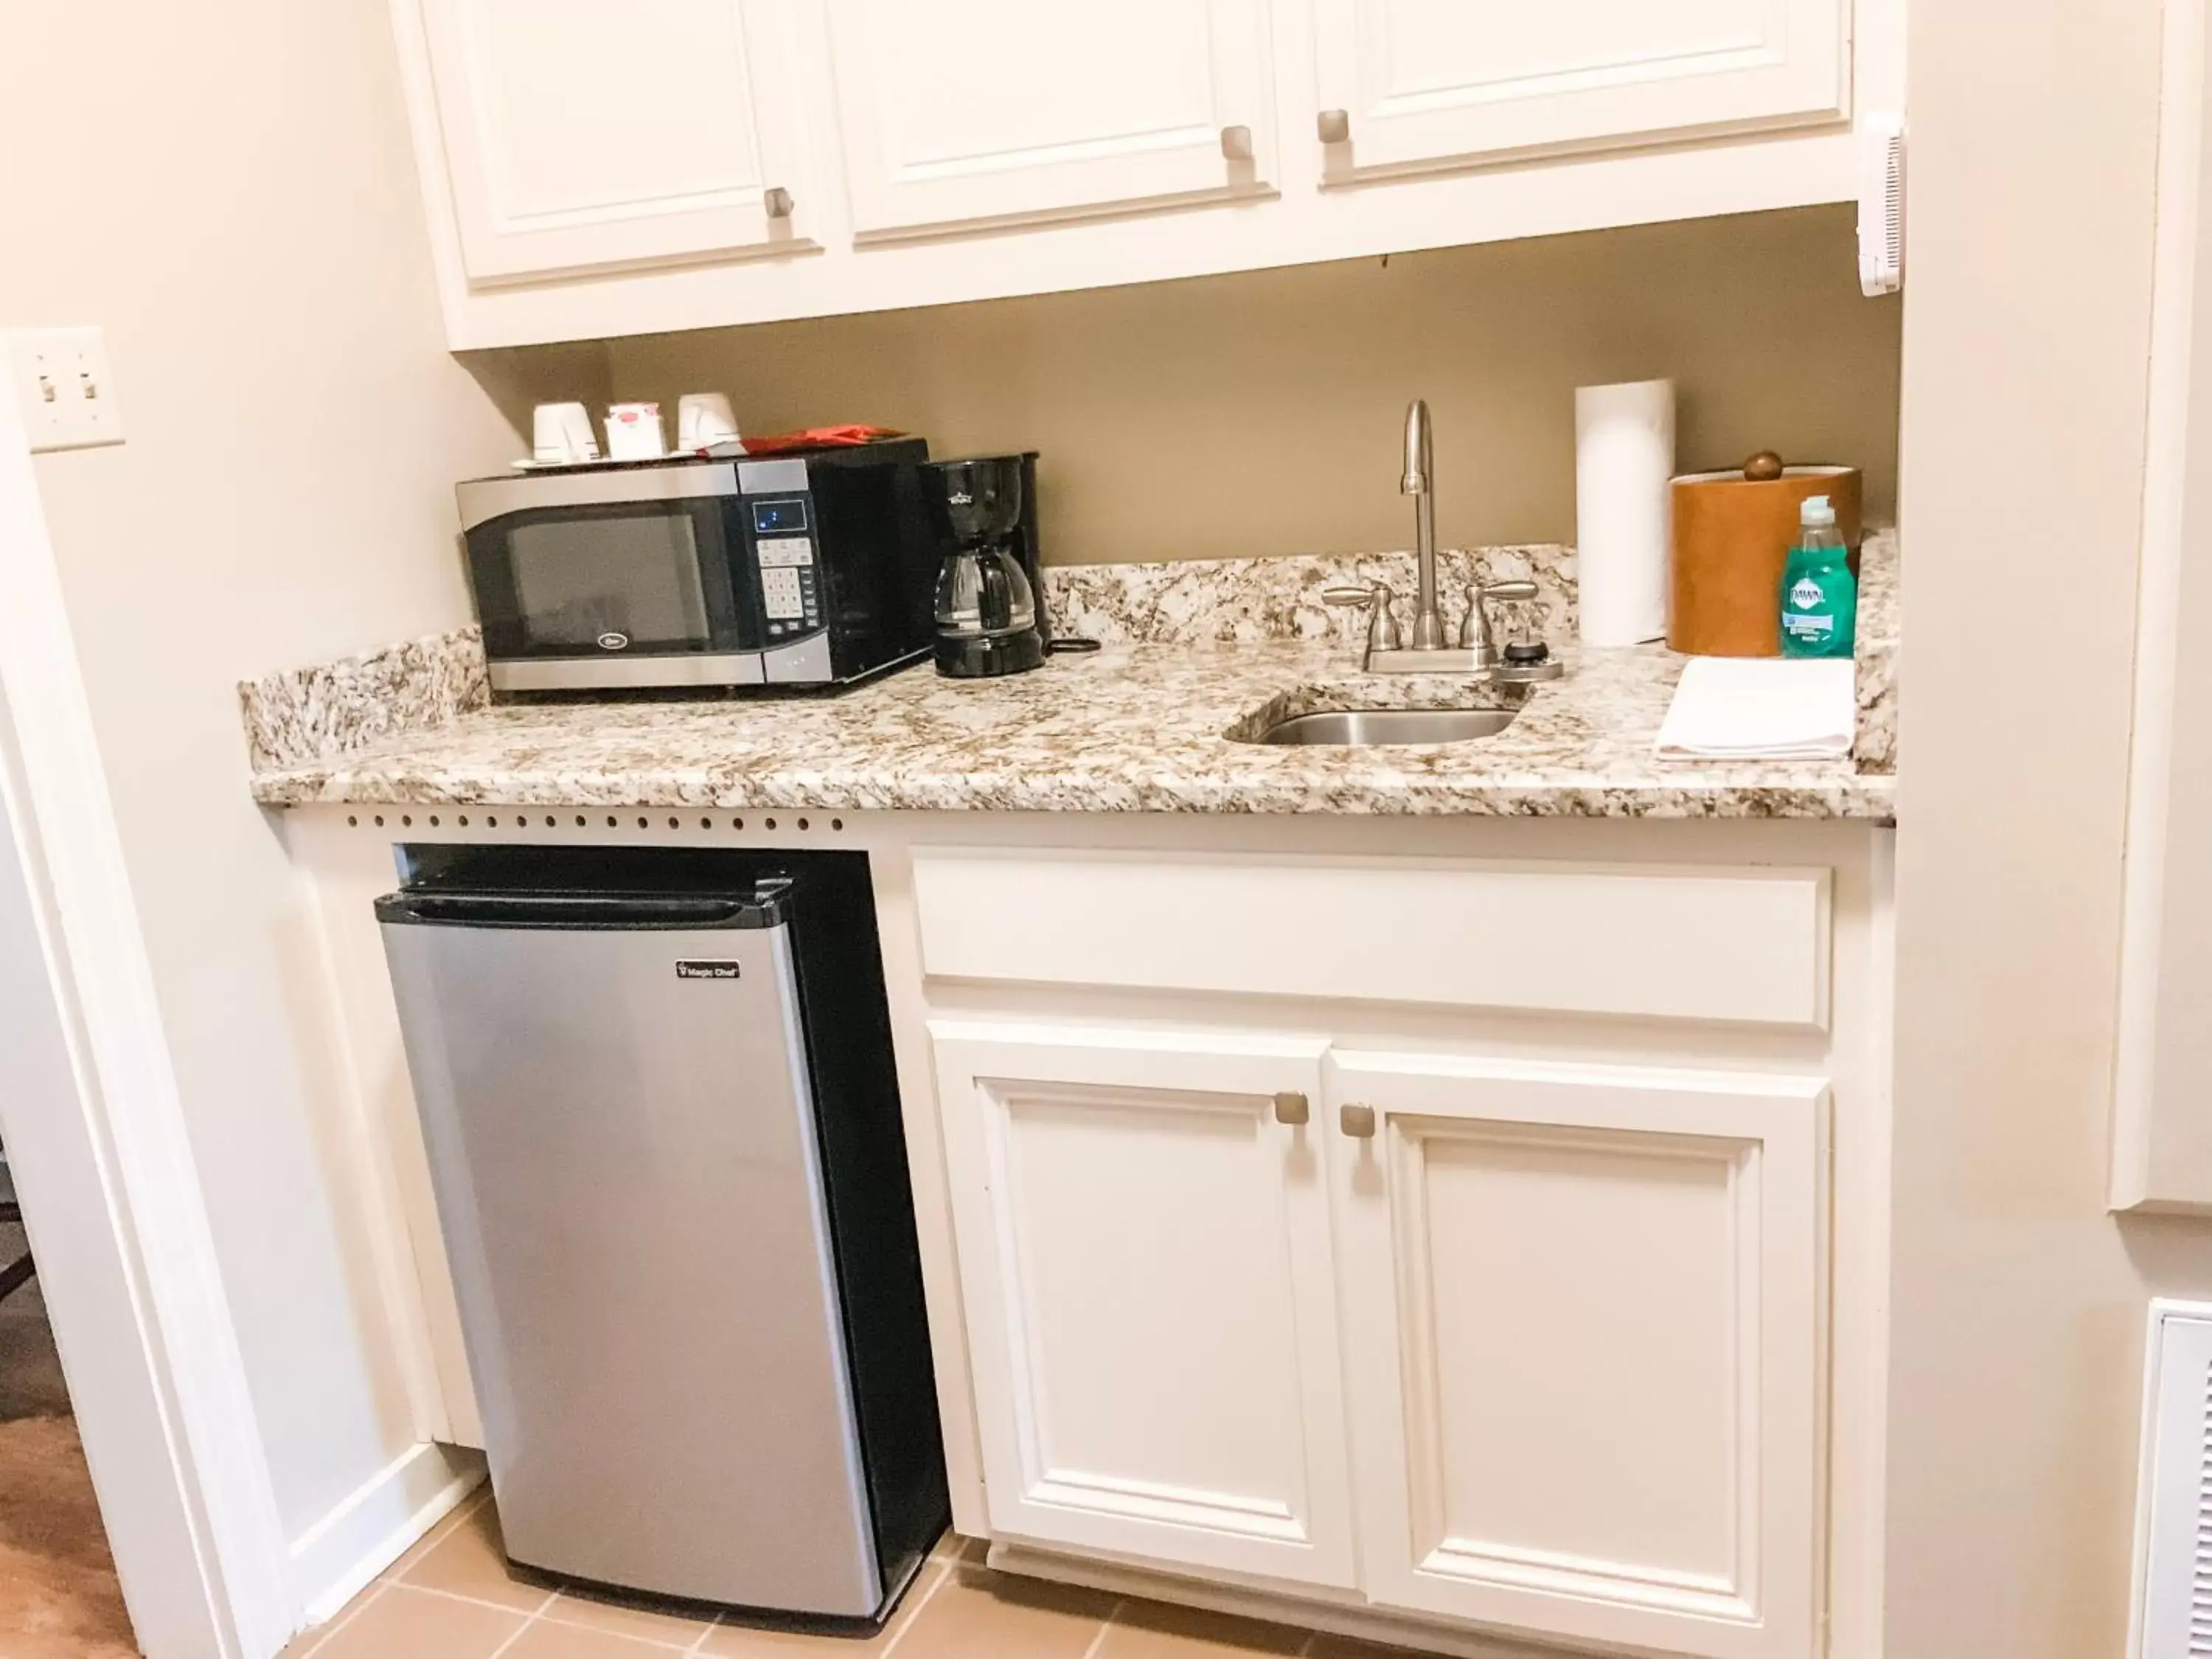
<point x="1420" y="84"/>
<point x="969" y="112"/>
<point x="1144" y="1241"/>
<point x="1583" y="1309"/>
<point x="579" y="134"/>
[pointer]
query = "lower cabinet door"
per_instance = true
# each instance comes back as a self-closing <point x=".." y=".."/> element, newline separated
<point x="1143" y="1227"/>
<point x="1583" y="1309"/>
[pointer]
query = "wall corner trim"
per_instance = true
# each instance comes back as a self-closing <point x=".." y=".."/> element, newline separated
<point x="2142" y="1175"/>
<point x="172" y="1358"/>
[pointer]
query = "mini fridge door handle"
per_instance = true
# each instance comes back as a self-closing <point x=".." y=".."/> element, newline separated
<point x="575" y="910"/>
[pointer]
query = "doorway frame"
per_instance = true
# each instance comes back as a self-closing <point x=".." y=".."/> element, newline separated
<point x="103" y="1166"/>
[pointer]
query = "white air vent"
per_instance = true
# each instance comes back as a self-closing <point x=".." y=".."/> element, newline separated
<point x="2173" y="1504"/>
<point x="1881" y="204"/>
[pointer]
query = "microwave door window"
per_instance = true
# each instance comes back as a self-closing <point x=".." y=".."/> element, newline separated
<point x="582" y="585"/>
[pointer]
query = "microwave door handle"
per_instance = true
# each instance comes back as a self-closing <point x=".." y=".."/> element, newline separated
<point x="483" y="500"/>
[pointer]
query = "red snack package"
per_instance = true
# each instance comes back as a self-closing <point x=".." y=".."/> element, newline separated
<point x="818" y="437"/>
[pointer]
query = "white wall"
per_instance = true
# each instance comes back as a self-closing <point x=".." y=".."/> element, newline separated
<point x="2018" y="1302"/>
<point x="230" y="191"/>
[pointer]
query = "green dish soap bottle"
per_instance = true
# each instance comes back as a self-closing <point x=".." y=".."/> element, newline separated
<point x="1819" y="595"/>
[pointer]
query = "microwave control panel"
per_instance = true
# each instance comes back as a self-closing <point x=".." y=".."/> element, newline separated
<point x="783" y="548"/>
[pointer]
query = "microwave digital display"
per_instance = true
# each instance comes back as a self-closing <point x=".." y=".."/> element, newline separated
<point x="779" y="517"/>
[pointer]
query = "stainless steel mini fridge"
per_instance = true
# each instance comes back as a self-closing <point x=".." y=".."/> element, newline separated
<point x="657" y="1090"/>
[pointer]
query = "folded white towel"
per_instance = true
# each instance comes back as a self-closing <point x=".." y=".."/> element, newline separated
<point x="1761" y="709"/>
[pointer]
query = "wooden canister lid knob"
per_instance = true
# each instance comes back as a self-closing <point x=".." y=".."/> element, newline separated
<point x="1763" y="468"/>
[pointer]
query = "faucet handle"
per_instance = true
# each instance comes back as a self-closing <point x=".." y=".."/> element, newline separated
<point x="1382" y="627"/>
<point x="1383" y="633"/>
<point x="1474" y="631"/>
<point x="1474" y="627"/>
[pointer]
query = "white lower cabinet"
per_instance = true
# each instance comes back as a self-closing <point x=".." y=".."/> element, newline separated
<point x="1546" y="1337"/>
<point x="1145" y="1262"/>
<point x="1582" y="1309"/>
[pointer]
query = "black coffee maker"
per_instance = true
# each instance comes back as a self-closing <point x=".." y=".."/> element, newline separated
<point x="990" y="605"/>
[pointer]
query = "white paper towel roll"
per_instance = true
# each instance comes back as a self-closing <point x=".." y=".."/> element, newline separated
<point x="1624" y="457"/>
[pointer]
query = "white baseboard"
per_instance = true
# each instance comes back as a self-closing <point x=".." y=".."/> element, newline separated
<point x="334" y="1560"/>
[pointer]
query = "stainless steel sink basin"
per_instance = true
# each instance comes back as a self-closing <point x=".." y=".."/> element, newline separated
<point x="1367" y="726"/>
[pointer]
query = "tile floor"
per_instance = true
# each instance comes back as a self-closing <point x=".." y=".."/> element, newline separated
<point x="450" y="1597"/>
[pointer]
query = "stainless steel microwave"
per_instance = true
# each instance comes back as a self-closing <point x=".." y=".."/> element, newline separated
<point x="813" y="569"/>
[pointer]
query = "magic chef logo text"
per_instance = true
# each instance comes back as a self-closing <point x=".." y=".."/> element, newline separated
<point x="705" y="971"/>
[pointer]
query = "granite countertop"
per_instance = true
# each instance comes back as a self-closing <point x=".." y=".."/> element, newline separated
<point x="1142" y="726"/>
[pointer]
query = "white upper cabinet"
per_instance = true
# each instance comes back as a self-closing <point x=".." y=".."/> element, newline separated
<point x="599" y="167"/>
<point x="1420" y="84"/>
<point x="969" y="112"/>
<point x="1583" y="1309"/>
<point x="579" y="135"/>
<point x="1144" y="1244"/>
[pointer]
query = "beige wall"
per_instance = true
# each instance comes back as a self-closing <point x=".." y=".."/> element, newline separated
<point x="2019" y="1304"/>
<point x="1260" y="412"/>
<point x="230" y="191"/>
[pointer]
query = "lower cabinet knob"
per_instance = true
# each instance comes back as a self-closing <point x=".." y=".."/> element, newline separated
<point x="1357" y="1122"/>
<point x="1291" y="1107"/>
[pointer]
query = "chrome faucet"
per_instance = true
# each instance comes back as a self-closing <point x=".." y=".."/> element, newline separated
<point x="1419" y="481"/>
<point x="1424" y="647"/>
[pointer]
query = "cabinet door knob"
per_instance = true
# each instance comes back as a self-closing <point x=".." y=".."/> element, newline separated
<point x="1235" y="143"/>
<point x="1334" y="126"/>
<point x="1291" y="1107"/>
<point x="1357" y="1122"/>
<point x="777" y="201"/>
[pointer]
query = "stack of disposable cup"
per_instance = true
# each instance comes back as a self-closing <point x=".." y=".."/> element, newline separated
<point x="1624" y="458"/>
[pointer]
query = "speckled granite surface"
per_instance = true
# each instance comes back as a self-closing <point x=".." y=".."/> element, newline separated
<point x="1134" y="728"/>
<point x="1245" y="601"/>
<point x="1874" y="745"/>
<point x="338" y="708"/>
<point x="1249" y="600"/>
<point x="1198" y="650"/>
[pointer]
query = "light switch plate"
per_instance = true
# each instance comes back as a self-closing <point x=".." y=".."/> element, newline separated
<point x="65" y="387"/>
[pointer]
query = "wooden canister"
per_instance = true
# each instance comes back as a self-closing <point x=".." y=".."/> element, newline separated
<point x="1732" y="532"/>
